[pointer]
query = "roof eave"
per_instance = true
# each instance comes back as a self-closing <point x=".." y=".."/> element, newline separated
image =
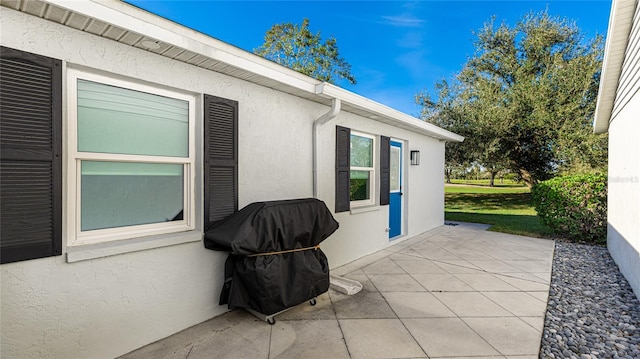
<point x="152" y="26"/>
<point x="620" y="22"/>
<point x="382" y="113"/>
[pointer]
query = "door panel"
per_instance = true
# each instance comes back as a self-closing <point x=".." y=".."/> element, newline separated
<point x="395" y="190"/>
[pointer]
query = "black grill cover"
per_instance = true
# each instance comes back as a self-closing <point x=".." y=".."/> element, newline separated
<point x="272" y="283"/>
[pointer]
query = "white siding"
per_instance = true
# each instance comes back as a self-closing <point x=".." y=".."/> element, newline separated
<point x="629" y="82"/>
<point x="108" y="306"/>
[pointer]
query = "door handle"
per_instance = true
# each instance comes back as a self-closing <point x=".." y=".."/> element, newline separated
<point x="401" y="193"/>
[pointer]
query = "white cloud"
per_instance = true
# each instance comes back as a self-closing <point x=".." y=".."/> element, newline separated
<point x="405" y="20"/>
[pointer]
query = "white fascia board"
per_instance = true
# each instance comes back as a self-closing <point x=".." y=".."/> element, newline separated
<point x="620" y="22"/>
<point x="382" y="113"/>
<point x="133" y="19"/>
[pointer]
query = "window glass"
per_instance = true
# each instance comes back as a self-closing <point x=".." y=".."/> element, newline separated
<point x="362" y="171"/>
<point x="360" y="185"/>
<point x="118" y="194"/>
<point x="117" y="120"/>
<point x="132" y="167"/>
<point x="361" y="151"/>
<point x="394" y="169"/>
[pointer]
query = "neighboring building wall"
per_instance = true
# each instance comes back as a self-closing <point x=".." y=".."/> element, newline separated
<point x="623" y="237"/>
<point x="105" y="307"/>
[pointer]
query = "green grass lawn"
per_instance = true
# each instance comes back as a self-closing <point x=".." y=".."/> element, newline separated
<point x="507" y="209"/>
<point x="485" y="182"/>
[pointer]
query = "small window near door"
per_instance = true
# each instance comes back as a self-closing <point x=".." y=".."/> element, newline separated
<point x="362" y="169"/>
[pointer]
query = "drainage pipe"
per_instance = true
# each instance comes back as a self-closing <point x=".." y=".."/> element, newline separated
<point x="335" y="110"/>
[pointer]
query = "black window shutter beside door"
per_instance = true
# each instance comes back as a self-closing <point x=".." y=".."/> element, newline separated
<point x="385" y="163"/>
<point x="30" y="156"/>
<point x="220" y="159"/>
<point x="343" y="163"/>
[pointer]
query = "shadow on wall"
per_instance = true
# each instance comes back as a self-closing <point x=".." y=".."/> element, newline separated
<point x="626" y="257"/>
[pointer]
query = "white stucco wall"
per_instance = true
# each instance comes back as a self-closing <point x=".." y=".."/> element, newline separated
<point x="623" y="236"/>
<point x="363" y="231"/>
<point x="105" y="307"/>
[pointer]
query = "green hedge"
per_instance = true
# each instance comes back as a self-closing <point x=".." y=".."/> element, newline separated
<point x="575" y="206"/>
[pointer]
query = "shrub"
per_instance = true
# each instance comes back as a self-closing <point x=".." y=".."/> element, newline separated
<point x="575" y="206"/>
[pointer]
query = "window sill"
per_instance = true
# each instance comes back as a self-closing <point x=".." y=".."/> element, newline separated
<point x="106" y="249"/>
<point x="364" y="209"/>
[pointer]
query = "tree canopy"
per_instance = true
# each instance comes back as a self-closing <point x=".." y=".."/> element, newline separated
<point x="296" y="47"/>
<point x="525" y="100"/>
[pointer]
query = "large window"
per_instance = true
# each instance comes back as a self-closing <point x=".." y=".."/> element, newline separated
<point x="362" y="169"/>
<point x="131" y="159"/>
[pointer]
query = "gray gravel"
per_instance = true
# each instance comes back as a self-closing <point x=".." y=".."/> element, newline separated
<point x="592" y="311"/>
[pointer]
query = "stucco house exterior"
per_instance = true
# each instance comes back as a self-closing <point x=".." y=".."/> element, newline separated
<point x="124" y="135"/>
<point x="618" y="112"/>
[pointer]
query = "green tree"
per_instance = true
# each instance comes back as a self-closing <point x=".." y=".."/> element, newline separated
<point x="447" y="112"/>
<point x="296" y="47"/>
<point x="481" y="110"/>
<point x="454" y="111"/>
<point x="528" y="96"/>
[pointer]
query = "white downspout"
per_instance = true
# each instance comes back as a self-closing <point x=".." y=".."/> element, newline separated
<point x="335" y="110"/>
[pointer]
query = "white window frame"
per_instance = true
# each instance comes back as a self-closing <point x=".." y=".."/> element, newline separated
<point x="372" y="172"/>
<point x="75" y="236"/>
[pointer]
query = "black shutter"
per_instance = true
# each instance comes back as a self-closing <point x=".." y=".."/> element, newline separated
<point x="30" y="156"/>
<point x="220" y="158"/>
<point x="385" y="163"/>
<point x="343" y="164"/>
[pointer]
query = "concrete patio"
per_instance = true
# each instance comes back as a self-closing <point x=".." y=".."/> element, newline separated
<point x="453" y="292"/>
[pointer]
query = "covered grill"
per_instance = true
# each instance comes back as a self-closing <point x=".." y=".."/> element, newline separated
<point x="275" y="261"/>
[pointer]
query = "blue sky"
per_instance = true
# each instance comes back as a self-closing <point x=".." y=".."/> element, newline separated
<point x="396" y="49"/>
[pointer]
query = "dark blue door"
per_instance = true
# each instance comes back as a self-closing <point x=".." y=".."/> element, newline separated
<point x="395" y="190"/>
